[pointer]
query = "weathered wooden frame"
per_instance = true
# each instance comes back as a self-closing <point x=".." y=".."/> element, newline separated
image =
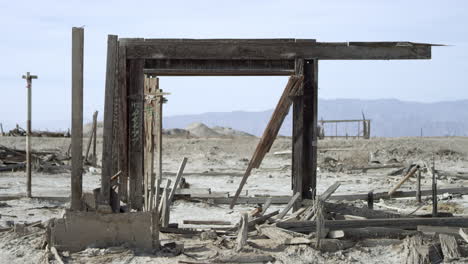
<point x="129" y="59"/>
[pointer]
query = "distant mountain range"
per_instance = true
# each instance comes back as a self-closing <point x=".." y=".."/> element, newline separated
<point x="389" y="118"/>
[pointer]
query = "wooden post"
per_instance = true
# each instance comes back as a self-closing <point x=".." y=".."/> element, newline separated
<point x="304" y="159"/>
<point x="434" y="190"/>
<point x="123" y="131"/>
<point x="243" y="232"/>
<point x="91" y="136"/>
<point x="1" y="130"/>
<point x="29" y="79"/>
<point x="180" y="172"/>
<point x="158" y="133"/>
<point x="418" y="187"/>
<point x="150" y="109"/>
<point x="155" y="220"/>
<point x="94" y="158"/>
<point x="108" y="164"/>
<point x="370" y="200"/>
<point x="77" y="118"/>
<point x="135" y="83"/>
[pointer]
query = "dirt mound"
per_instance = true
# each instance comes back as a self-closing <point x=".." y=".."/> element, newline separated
<point x="176" y="132"/>
<point x="227" y="131"/>
<point x="201" y="130"/>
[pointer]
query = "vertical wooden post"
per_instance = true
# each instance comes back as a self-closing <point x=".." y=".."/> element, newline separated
<point x="304" y="167"/>
<point x="77" y="118"/>
<point x="418" y="187"/>
<point x="123" y="147"/>
<point x="434" y="190"/>
<point x="135" y="86"/>
<point x="1" y="130"/>
<point x="108" y="126"/>
<point x="29" y="79"/>
<point x="158" y="132"/>
<point x="94" y="158"/>
<point x="370" y="200"/>
<point x="149" y="115"/>
<point x="91" y="136"/>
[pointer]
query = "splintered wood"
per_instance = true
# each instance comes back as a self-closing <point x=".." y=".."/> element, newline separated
<point x="151" y="86"/>
<point x="293" y="88"/>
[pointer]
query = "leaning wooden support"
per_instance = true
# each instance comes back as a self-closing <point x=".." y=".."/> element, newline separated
<point x="410" y="173"/>
<point x="405" y="223"/>
<point x="271" y="131"/>
<point x="449" y="247"/>
<point x="180" y="172"/>
<point x="288" y="206"/>
<point x="77" y="119"/>
<point x="91" y="139"/>
<point x="164" y="207"/>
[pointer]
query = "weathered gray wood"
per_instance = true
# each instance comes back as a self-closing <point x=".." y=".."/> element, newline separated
<point x="56" y="255"/>
<point x="405" y="223"/>
<point x="150" y="87"/>
<point x="242" y="232"/>
<point x="206" y="222"/>
<point x="274" y="50"/>
<point x="414" y="252"/>
<point x="464" y="234"/>
<point x="29" y="79"/>
<point x="135" y="83"/>
<point x="91" y="136"/>
<point x="108" y="126"/>
<point x="180" y="172"/>
<point x="449" y="247"/>
<point x="266" y="206"/>
<point x="164" y="207"/>
<point x="325" y="195"/>
<point x="289" y="206"/>
<point x="94" y="158"/>
<point x="410" y="173"/>
<point x="77" y="119"/>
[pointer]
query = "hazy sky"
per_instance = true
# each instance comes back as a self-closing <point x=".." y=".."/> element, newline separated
<point x="36" y="37"/>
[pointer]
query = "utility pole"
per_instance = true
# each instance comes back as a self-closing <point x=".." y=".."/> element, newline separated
<point x="29" y="79"/>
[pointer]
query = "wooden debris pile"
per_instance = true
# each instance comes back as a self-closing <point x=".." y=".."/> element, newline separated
<point x="20" y="132"/>
<point x="14" y="160"/>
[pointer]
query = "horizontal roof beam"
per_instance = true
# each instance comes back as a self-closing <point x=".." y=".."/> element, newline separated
<point x="273" y="50"/>
<point x="219" y="67"/>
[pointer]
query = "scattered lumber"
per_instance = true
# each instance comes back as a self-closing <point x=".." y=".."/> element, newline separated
<point x="288" y="206"/>
<point x="404" y="223"/>
<point x="242" y="232"/>
<point x="410" y="173"/>
<point x="387" y="166"/>
<point x="357" y="234"/>
<point x="206" y="222"/>
<point x="244" y="258"/>
<point x="14" y="159"/>
<point x="20" y="132"/>
<point x="399" y="194"/>
<point x="282" y="236"/>
<point x="266" y="206"/>
<point x="177" y="180"/>
<point x="449" y="247"/>
<point x="293" y="87"/>
<point x="414" y="252"/>
<point x="432" y="230"/>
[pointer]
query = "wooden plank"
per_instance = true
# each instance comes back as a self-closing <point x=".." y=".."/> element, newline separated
<point x="464" y="234"/>
<point x="398" y="194"/>
<point x="150" y="86"/>
<point x="108" y="164"/>
<point x="449" y="247"/>
<point x="410" y="173"/>
<point x="164" y="207"/>
<point x="77" y="119"/>
<point x="164" y="67"/>
<point x="123" y="148"/>
<point x="304" y="165"/>
<point x="206" y="222"/>
<point x="242" y="232"/>
<point x="404" y="223"/>
<point x="180" y="172"/>
<point x="135" y="84"/>
<point x="265" y="206"/>
<point x="216" y="50"/>
<point x="325" y="195"/>
<point x="271" y="131"/>
<point x="289" y="206"/>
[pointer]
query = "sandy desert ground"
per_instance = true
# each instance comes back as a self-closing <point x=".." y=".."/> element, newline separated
<point x="219" y="163"/>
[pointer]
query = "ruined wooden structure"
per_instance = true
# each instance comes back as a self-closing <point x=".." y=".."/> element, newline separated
<point x="362" y="126"/>
<point x="129" y="60"/>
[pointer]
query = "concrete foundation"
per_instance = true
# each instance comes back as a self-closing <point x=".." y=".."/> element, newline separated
<point x="78" y="230"/>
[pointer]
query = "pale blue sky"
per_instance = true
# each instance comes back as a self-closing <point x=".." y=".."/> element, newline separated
<point x="36" y="37"/>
